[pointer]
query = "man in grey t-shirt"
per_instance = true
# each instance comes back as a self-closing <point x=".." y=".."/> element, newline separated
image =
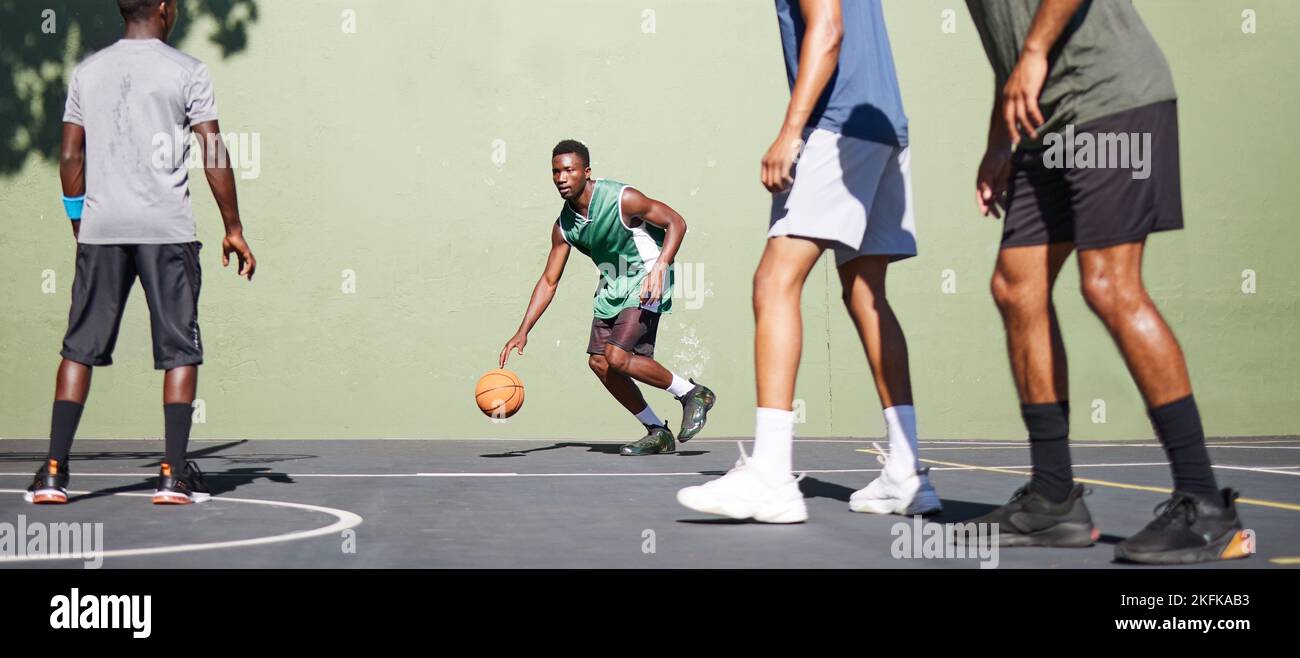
<point x="138" y="101"/>
<point x="131" y="112"/>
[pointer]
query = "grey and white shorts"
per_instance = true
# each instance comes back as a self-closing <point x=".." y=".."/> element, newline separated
<point x="854" y="192"/>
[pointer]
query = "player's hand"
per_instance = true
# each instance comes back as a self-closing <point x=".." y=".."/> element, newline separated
<point x="652" y="286"/>
<point x="516" y="342"/>
<point x="76" y="231"/>
<point x="1020" y="96"/>
<point x="234" y="244"/>
<point x="991" y="182"/>
<point x="778" y="162"/>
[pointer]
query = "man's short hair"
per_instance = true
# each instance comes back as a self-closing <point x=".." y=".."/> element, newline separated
<point x="573" y="146"/>
<point x="138" y="10"/>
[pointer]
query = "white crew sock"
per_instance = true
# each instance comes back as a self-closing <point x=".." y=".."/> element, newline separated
<point x="900" y="426"/>
<point x="774" y="441"/>
<point x="648" y="417"/>
<point x="680" y="386"/>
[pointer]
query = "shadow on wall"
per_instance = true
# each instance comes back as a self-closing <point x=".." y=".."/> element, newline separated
<point x="41" y="42"/>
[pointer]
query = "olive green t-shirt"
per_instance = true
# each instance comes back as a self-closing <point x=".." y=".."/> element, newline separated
<point x="1104" y="62"/>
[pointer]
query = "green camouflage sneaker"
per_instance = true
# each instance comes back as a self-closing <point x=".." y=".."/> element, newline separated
<point x="695" y="411"/>
<point x="659" y="440"/>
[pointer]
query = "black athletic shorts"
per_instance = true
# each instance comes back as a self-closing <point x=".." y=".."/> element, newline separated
<point x="633" y="329"/>
<point x="169" y="274"/>
<point x="1095" y="206"/>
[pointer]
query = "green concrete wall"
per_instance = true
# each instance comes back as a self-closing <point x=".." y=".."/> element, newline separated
<point x="415" y="154"/>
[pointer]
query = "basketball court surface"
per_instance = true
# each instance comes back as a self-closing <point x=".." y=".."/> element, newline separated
<point x="546" y="503"/>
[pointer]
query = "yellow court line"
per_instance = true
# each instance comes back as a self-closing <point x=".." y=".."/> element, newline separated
<point x="1101" y="483"/>
<point x="1285" y="560"/>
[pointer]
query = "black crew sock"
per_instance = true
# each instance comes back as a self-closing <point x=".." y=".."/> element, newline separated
<point x="1178" y="424"/>
<point x="178" y="418"/>
<point x="1049" y="449"/>
<point x="63" y="429"/>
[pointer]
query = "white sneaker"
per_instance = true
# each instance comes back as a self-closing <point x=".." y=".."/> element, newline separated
<point x="885" y="495"/>
<point x="746" y="493"/>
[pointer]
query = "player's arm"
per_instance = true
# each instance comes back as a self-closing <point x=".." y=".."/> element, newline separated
<point x="1020" y="94"/>
<point x="637" y="206"/>
<point x="995" y="167"/>
<point x="543" y="293"/>
<point x="221" y="178"/>
<point x="818" y="58"/>
<point x="72" y="173"/>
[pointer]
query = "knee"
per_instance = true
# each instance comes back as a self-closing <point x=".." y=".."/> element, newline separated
<point x="1013" y="296"/>
<point x="1108" y="296"/>
<point x="771" y="283"/>
<point x="859" y="296"/>
<point x="617" y="359"/>
<point x="598" y="365"/>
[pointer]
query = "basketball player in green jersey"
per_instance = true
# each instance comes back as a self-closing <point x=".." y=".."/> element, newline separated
<point x="633" y="240"/>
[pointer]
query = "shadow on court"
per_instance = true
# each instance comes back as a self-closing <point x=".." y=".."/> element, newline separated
<point x="214" y="452"/>
<point x="707" y="522"/>
<point x="601" y="448"/>
<point x="143" y="486"/>
<point x="815" y="488"/>
<point x="218" y="483"/>
<point x="958" y="511"/>
<point x="954" y="511"/>
<point x="227" y="481"/>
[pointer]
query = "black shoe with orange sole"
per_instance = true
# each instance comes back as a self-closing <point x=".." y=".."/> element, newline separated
<point x="1190" y="528"/>
<point x="180" y="488"/>
<point x="50" y="486"/>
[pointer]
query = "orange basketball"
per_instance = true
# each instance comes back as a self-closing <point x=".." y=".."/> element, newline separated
<point x="499" y="393"/>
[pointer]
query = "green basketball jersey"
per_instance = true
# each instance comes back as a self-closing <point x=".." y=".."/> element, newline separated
<point x="623" y="254"/>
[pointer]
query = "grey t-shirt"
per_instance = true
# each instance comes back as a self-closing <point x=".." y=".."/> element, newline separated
<point x="138" y="100"/>
<point x="1104" y="62"/>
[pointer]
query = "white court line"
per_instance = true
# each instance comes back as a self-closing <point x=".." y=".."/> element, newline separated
<point x="1008" y="444"/>
<point x="994" y="445"/>
<point x="343" y="520"/>
<point x="1259" y="469"/>
<point x="507" y="439"/>
<point x="1211" y="445"/>
<point x="1074" y="445"/>
<point x="254" y="476"/>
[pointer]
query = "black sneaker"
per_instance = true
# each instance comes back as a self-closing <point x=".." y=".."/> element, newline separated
<point x="1031" y="519"/>
<point x="695" y="410"/>
<point x="50" y="486"/>
<point x="657" y="440"/>
<point x="180" y="488"/>
<point x="1189" y="528"/>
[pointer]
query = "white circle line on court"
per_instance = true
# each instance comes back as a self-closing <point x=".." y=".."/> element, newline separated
<point x="343" y="520"/>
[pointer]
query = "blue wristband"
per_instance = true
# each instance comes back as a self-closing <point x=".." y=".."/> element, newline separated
<point x="74" y="206"/>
